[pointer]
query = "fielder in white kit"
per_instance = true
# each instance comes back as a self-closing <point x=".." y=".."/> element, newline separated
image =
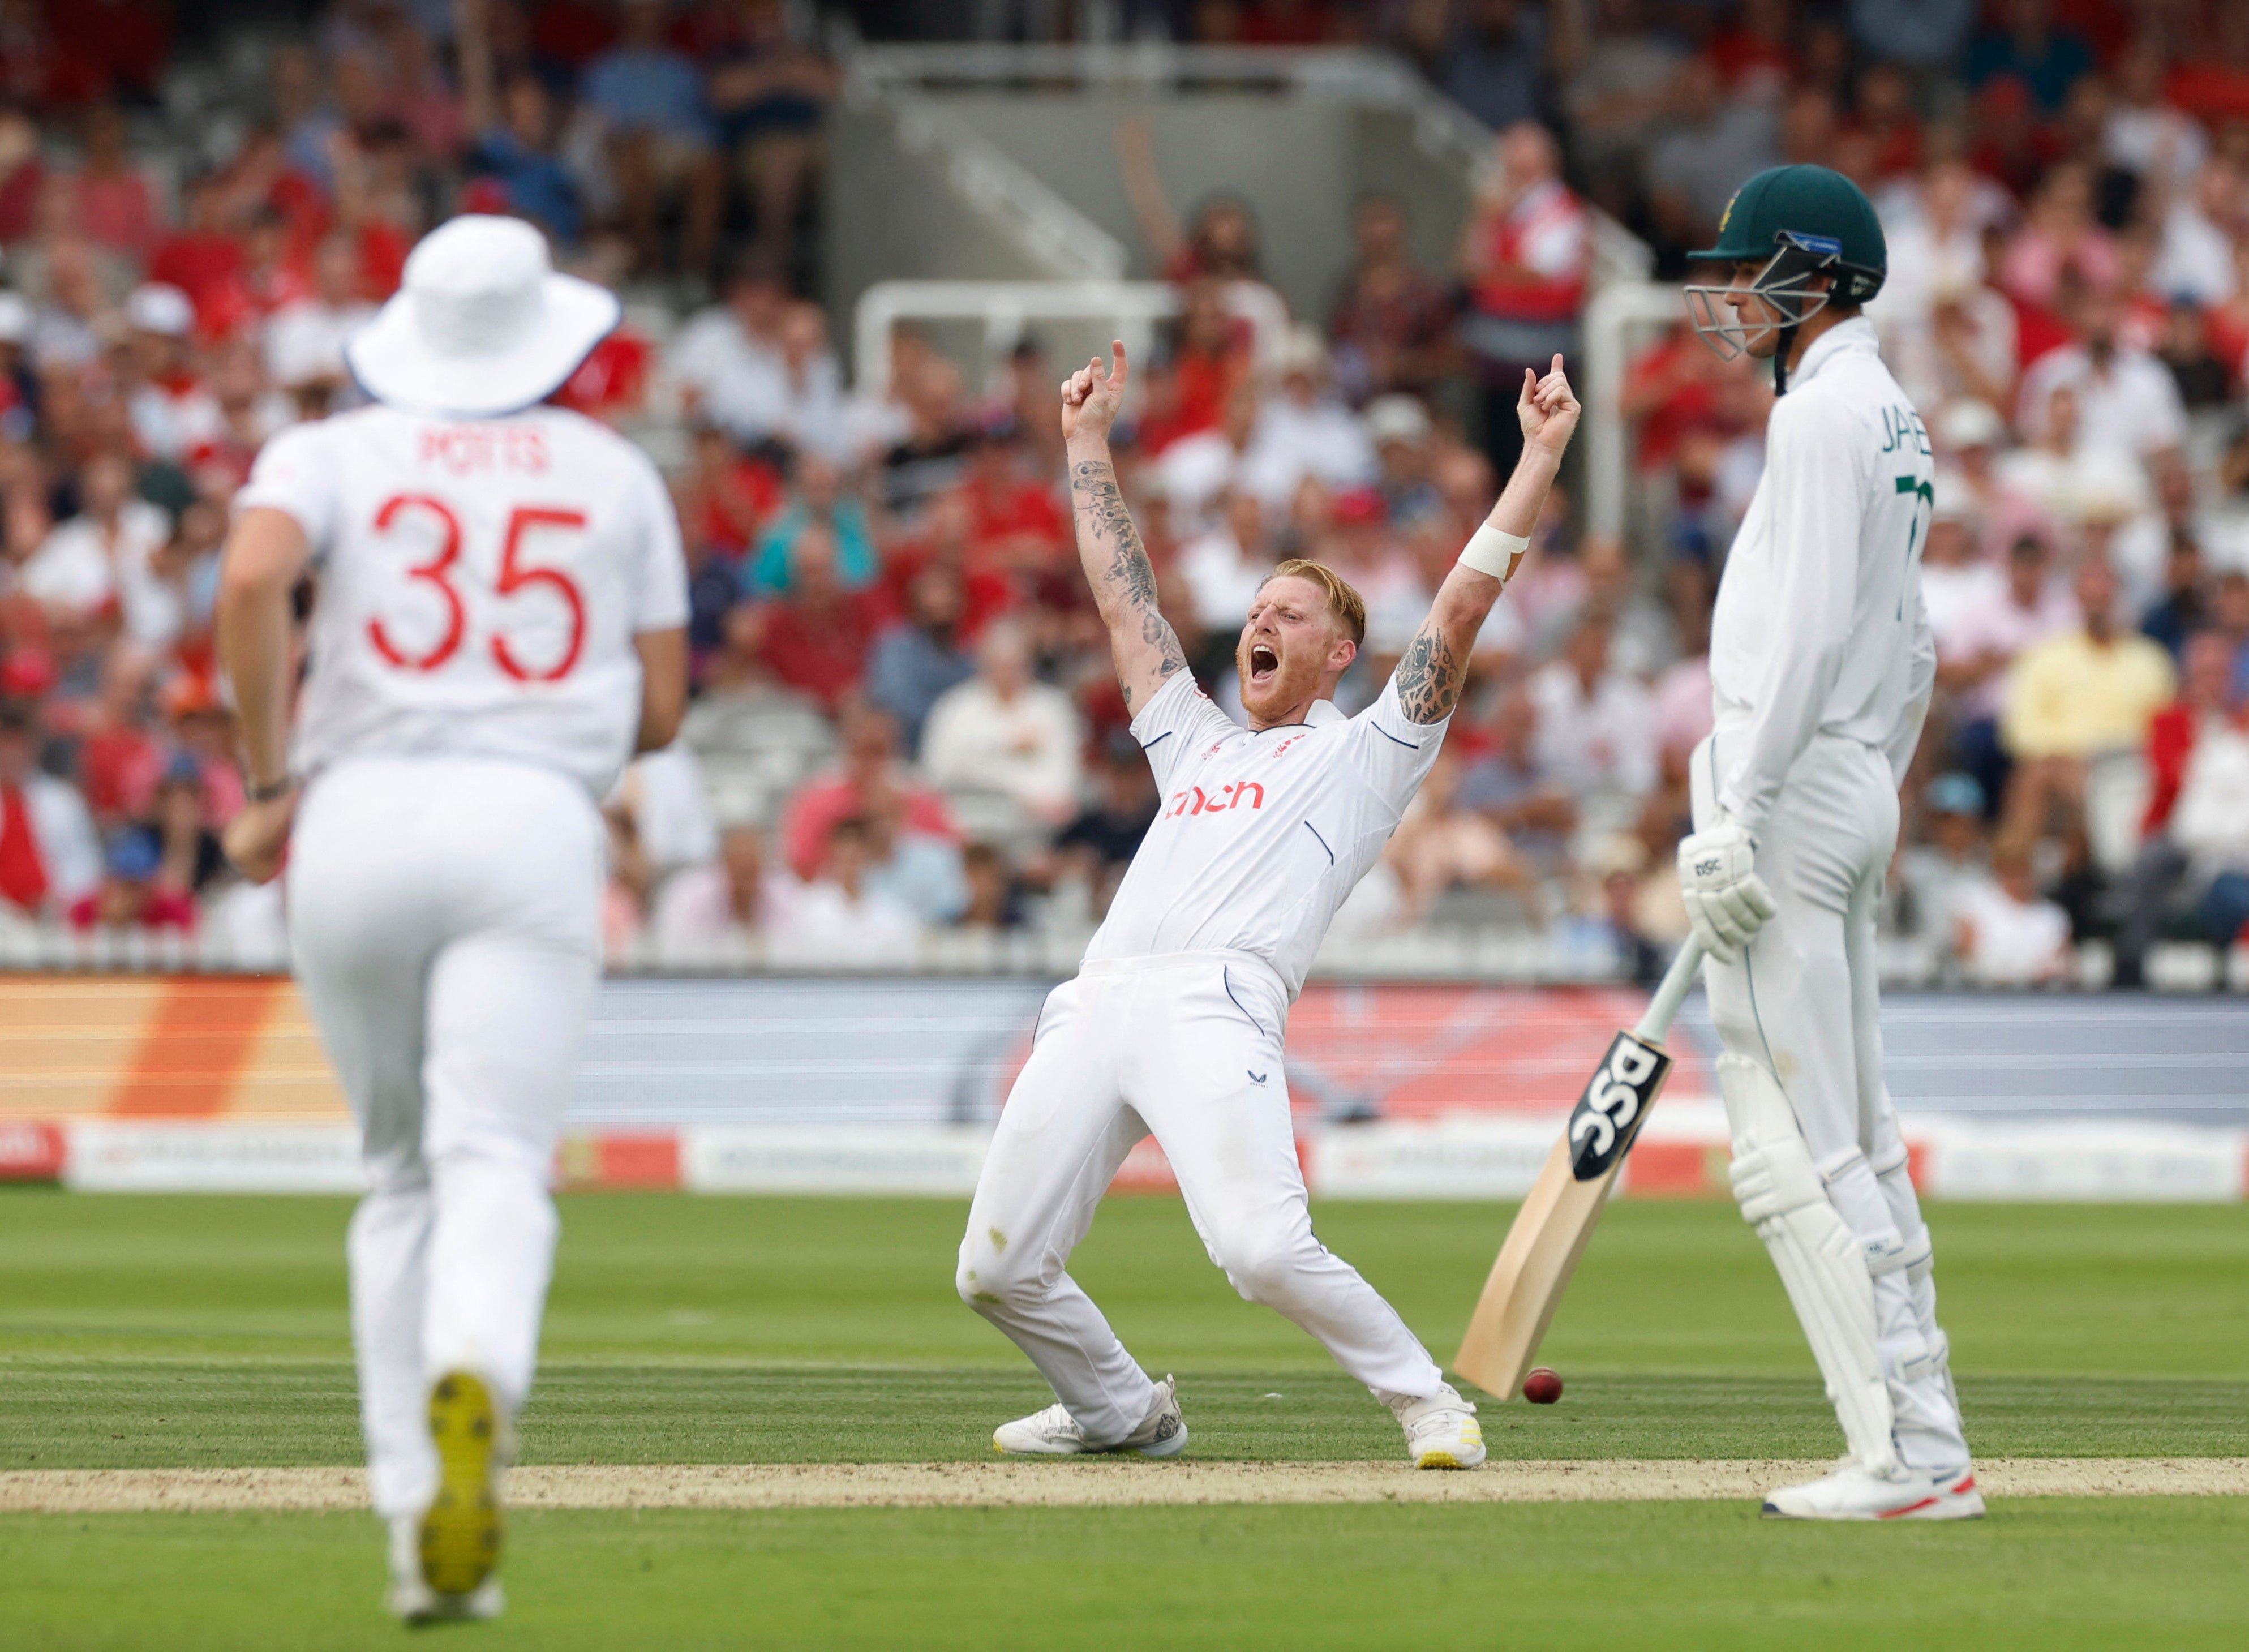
<point x="1174" y="1025"/>
<point x="499" y="625"/>
<point x="1821" y="666"/>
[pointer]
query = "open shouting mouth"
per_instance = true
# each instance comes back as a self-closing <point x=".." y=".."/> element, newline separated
<point x="1263" y="664"/>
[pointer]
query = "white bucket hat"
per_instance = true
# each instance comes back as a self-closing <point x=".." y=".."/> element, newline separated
<point x="483" y="324"/>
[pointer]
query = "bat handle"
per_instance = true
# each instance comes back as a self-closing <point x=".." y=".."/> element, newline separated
<point x="1678" y="981"/>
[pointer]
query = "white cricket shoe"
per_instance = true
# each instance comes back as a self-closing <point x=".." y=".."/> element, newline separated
<point x="1054" y="1433"/>
<point x="1441" y="1430"/>
<point x="411" y="1597"/>
<point x="1854" y="1492"/>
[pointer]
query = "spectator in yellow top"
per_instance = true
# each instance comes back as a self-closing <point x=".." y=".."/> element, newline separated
<point x="2079" y="695"/>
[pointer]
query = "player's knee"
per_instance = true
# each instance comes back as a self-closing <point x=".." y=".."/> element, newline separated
<point x="1261" y="1262"/>
<point x="988" y="1280"/>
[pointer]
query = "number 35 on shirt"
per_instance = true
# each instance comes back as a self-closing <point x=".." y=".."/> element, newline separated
<point x="543" y="593"/>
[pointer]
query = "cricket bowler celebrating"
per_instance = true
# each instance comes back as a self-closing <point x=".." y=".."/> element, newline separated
<point x="1821" y="664"/>
<point x="1173" y="1026"/>
<point x="500" y="624"/>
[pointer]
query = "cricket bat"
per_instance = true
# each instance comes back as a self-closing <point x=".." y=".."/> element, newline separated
<point x="1551" y="1230"/>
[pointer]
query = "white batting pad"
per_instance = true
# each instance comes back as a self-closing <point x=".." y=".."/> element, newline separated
<point x="1821" y="1262"/>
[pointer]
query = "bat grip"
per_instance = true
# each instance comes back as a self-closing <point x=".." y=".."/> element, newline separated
<point x="1678" y="981"/>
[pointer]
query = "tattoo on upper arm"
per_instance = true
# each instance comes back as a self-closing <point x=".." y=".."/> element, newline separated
<point x="1125" y="586"/>
<point x="1429" y="677"/>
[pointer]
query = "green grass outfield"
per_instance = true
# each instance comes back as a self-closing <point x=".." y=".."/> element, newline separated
<point x="212" y="1331"/>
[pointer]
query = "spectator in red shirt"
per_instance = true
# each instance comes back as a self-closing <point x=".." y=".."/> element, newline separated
<point x="815" y="637"/>
<point x="1015" y="520"/>
<point x="1526" y="255"/>
<point x="728" y="497"/>
<point x="116" y="209"/>
<point x="1885" y="117"/>
<point x="1211" y="358"/>
<point x="868" y="779"/>
<point x="202" y="258"/>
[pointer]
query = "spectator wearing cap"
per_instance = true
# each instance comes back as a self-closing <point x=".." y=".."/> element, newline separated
<point x="1399" y="430"/>
<point x="50" y="856"/>
<point x="921" y="656"/>
<point x="1306" y="430"/>
<point x="1004" y="730"/>
<point x="649" y="99"/>
<point x="172" y="411"/>
<point x="304" y="339"/>
<point x="131" y="894"/>
<point x="1392" y="322"/>
<point x="2076" y="696"/>
<point x="1526" y="255"/>
<point x="1937" y="866"/>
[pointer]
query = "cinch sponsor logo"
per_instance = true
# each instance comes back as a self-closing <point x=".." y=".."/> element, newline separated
<point x="1195" y="801"/>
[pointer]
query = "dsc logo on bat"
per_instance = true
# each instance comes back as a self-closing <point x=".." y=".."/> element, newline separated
<point x="1615" y="1103"/>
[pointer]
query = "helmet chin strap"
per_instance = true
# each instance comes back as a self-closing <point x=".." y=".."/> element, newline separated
<point x="1780" y="358"/>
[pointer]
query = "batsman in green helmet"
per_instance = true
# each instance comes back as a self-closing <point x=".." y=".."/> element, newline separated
<point x="1821" y="664"/>
<point x="1802" y="242"/>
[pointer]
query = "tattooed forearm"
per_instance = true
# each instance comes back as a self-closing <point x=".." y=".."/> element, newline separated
<point x="1429" y="677"/>
<point x="1123" y="582"/>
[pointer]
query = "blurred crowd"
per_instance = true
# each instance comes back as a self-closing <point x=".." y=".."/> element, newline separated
<point x="905" y="720"/>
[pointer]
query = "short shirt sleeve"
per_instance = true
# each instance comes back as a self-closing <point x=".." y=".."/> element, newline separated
<point x="296" y="474"/>
<point x="1391" y="752"/>
<point x="659" y="579"/>
<point x="1177" y="718"/>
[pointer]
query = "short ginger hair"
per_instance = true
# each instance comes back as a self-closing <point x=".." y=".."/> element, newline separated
<point x="1347" y="604"/>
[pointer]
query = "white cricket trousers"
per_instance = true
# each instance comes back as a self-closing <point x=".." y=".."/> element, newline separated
<point x="444" y="919"/>
<point x="1186" y="1047"/>
<point x="1804" y="1000"/>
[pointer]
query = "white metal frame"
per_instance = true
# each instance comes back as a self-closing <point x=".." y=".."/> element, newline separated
<point x="1004" y="309"/>
<point x="1615" y="314"/>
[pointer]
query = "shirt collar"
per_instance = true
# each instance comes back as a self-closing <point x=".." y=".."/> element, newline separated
<point x="1325" y="712"/>
<point x="1857" y="333"/>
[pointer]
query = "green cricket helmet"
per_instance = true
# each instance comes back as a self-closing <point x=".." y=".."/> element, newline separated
<point x="1800" y="222"/>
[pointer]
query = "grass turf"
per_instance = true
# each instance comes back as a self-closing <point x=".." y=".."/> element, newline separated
<point x="207" y="1331"/>
<point x="2099" y="1573"/>
<point x="159" y="1332"/>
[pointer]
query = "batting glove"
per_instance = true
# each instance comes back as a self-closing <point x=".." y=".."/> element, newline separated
<point x="1726" y="902"/>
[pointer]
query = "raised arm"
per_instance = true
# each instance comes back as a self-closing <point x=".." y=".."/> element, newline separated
<point x="1434" y="666"/>
<point x="1141" y="640"/>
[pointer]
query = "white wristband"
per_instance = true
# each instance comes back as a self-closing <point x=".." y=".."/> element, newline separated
<point x="1493" y="552"/>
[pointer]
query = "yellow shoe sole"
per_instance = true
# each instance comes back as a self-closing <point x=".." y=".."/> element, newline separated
<point x="461" y="1533"/>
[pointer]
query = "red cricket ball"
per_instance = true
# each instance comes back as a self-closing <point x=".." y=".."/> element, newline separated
<point x="1542" y="1386"/>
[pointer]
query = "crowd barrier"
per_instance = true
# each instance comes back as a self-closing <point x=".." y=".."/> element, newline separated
<point x="834" y="1085"/>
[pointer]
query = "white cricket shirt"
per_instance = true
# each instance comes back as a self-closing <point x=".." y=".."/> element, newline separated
<point x="1261" y="834"/>
<point x="481" y="583"/>
<point x="1819" y="627"/>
